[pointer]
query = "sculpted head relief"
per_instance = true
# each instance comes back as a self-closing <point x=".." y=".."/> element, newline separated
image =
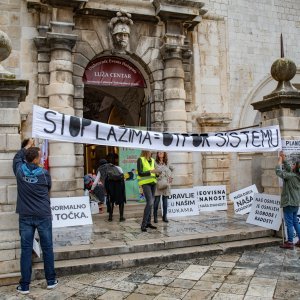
<point x="120" y="30"/>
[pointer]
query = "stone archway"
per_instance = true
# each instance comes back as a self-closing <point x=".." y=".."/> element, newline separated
<point x="250" y="117"/>
<point x="115" y="92"/>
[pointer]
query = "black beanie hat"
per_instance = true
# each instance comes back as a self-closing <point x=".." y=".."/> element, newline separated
<point x="102" y="161"/>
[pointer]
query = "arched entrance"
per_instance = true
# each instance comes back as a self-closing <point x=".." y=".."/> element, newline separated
<point x="114" y="93"/>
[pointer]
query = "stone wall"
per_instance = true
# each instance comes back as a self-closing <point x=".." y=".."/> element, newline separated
<point x="236" y="44"/>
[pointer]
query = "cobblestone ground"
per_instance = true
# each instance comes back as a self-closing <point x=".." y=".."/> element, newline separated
<point x="267" y="273"/>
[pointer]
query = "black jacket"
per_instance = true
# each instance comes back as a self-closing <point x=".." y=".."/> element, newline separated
<point x="34" y="184"/>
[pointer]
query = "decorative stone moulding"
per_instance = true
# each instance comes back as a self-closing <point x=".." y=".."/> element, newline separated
<point x="65" y="3"/>
<point x="213" y="119"/>
<point x="178" y="9"/>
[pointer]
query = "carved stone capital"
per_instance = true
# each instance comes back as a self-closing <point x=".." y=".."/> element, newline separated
<point x="175" y="46"/>
<point x="12" y="92"/>
<point x="61" y="41"/>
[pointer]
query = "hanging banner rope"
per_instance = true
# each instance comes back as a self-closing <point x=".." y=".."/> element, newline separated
<point x="52" y="125"/>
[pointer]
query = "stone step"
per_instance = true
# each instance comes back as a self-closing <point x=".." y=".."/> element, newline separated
<point x="99" y="248"/>
<point x="9" y="279"/>
<point x="125" y="260"/>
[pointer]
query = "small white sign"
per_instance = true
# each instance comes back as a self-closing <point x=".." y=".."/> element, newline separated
<point x="211" y="198"/>
<point x="182" y="202"/>
<point x="70" y="211"/>
<point x="242" y="199"/>
<point x="265" y="211"/>
<point x="36" y="248"/>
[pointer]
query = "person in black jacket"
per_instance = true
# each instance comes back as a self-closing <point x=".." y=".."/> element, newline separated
<point x="33" y="207"/>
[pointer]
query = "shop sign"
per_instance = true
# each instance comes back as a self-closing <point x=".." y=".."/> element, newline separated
<point x="113" y="71"/>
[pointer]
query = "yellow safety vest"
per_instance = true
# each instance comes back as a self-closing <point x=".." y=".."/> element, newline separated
<point x="147" y="167"/>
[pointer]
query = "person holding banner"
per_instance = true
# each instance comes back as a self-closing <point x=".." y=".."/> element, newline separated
<point x="164" y="181"/>
<point x="146" y="168"/>
<point x="290" y="198"/>
<point x="33" y="207"/>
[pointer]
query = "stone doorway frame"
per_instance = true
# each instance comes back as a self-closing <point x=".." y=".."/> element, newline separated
<point x="83" y="54"/>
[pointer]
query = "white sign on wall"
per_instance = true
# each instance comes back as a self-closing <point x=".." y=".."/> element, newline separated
<point x="182" y="202"/>
<point x="211" y="198"/>
<point x="70" y="211"/>
<point x="242" y="199"/>
<point x="265" y="211"/>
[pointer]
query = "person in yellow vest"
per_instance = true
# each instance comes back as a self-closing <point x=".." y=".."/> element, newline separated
<point x="146" y="169"/>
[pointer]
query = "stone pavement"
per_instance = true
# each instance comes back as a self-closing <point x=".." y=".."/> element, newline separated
<point x="266" y="273"/>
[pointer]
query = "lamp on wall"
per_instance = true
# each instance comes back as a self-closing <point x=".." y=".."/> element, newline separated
<point x="93" y="152"/>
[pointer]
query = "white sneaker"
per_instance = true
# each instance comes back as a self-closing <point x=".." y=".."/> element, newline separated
<point x="21" y="291"/>
<point x="52" y="286"/>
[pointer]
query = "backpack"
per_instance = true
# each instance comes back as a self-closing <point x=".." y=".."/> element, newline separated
<point x="88" y="181"/>
<point x="114" y="174"/>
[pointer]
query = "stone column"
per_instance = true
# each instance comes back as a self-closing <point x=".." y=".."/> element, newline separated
<point x="62" y="159"/>
<point x="12" y="92"/>
<point x="175" y="116"/>
<point x="179" y="17"/>
<point x="281" y="107"/>
<point x="215" y="166"/>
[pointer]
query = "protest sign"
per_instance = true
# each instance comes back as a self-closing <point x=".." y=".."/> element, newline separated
<point x="211" y="198"/>
<point x="52" y="125"/>
<point x="242" y="199"/>
<point x="182" y="203"/>
<point x="265" y="211"/>
<point x="70" y="211"/>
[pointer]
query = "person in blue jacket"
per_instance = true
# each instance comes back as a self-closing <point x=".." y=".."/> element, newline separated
<point x="33" y="207"/>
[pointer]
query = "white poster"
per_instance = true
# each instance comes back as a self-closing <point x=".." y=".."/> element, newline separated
<point x="181" y="203"/>
<point x="211" y="198"/>
<point x="52" y="125"/>
<point x="70" y="211"/>
<point x="242" y="199"/>
<point x="265" y="211"/>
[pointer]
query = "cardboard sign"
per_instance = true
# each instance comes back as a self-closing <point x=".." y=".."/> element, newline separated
<point x="182" y="202"/>
<point x="211" y="198"/>
<point x="242" y="199"/>
<point x="70" y="211"/>
<point x="265" y="211"/>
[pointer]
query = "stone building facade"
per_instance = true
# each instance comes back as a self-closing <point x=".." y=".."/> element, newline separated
<point x="203" y="62"/>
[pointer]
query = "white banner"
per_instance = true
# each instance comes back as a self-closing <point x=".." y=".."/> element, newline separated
<point x="52" y="125"/>
<point x="265" y="211"/>
<point x="182" y="203"/>
<point x="242" y="199"/>
<point x="211" y="198"/>
<point x="70" y="211"/>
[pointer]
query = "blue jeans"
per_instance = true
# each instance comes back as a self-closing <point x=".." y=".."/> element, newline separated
<point x="291" y="221"/>
<point x="149" y="192"/>
<point x="27" y="227"/>
<point x="165" y="205"/>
